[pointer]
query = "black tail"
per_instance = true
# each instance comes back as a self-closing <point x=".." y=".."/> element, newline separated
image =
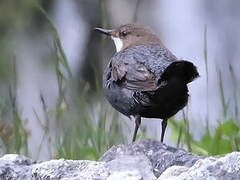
<point x="181" y="69"/>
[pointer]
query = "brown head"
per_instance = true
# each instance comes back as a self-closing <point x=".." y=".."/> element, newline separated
<point x="131" y="35"/>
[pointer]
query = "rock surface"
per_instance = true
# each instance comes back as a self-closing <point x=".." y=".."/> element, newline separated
<point x="160" y="155"/>
<point x="222" y="168"/>
<point x="13" y="166"/>
<point x="143" y="160"/>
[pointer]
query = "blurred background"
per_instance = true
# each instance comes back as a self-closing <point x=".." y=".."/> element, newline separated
<point x="51" y="64"/>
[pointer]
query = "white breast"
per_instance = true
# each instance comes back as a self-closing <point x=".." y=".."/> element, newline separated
<point x="118" y="43"/>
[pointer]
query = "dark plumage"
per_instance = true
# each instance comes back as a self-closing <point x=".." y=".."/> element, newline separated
<point x="146" y="80"/>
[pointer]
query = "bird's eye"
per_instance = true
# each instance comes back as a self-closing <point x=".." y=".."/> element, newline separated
<point x="124" y="33"/>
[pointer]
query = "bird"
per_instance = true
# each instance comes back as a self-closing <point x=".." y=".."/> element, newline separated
<point x="143" y="79"/>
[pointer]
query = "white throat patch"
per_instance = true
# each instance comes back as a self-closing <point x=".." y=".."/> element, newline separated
<point x="118" y="43"/>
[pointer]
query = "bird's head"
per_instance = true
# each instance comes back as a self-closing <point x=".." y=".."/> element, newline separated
<point x="131" y="35"/>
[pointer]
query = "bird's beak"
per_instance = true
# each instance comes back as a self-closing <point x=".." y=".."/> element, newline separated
<point x="104" y="31"/>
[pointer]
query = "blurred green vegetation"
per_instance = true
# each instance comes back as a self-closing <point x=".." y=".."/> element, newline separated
<point x="79" y="135"/>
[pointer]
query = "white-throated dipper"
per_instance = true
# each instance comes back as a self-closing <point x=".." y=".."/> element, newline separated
<point x="143" y="78"/>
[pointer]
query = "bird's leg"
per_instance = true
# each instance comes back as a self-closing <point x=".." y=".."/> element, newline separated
<point x="164" y="125"/>
<point x="137" y="124"/>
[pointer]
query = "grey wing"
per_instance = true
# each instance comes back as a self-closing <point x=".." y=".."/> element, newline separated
<point x="140" y="68"/>
<point x="133" y="76"/>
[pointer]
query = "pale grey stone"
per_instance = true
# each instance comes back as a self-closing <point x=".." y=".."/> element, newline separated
<point x="143" y="160"/>
<point x="225" y="167"/>
<point x="69" y="169"/>
<point x="14" y="166"/>
<point x="160" y="155"/>
<point x="130" y="167"/>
